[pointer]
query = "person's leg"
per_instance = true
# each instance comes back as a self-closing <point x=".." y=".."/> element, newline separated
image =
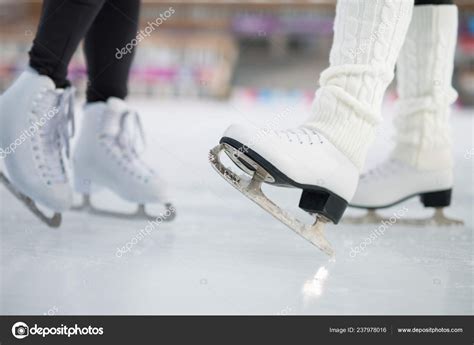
<point x="114" y="28"/>
<point x="367" y="40"/>
<point x="62" y="26"/>
<point x="422" y="161"/>
<point x="433" y="2"/>
<point x="106" y="155"/>
<point x="40" y="103"/>
<point x="424" y="75"/>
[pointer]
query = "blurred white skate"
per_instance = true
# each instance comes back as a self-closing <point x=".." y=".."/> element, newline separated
<point x="36" y="124"/>
<point x="281" y="158"/>
<point x="107" y="156"/>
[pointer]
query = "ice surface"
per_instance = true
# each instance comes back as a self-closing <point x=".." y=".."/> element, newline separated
<point x="223" y="254"/>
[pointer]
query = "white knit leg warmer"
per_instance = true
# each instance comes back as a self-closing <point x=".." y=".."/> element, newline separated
<point x="368" y="36"/>
<point x="424" y="74"/>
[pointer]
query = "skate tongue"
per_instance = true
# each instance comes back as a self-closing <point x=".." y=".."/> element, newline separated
<point x="113" y="117"/>
<point x="45" y="80"/>
<point x="117" y="105"/>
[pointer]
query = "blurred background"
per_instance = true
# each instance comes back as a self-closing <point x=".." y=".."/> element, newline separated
<point x="258" y="50"/>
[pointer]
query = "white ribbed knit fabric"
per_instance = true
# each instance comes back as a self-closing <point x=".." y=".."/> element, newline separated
<point x="368" y="36"/>
<point x="424" y="73"/>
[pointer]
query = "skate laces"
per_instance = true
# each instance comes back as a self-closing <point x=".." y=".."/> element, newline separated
<point x="56" y="132"/>
<point x="301" y="135"/>
<point x="130" y="133"/>
<point x="131" y="141"/>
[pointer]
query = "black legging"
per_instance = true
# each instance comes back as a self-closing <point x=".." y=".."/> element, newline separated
<point x="106" y="25"/>
<point x="433" y="2"/>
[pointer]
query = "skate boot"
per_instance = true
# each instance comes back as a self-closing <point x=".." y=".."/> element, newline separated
<point x="106" y="155"/>
<point x="395" y="181"/>
<point x="36" y="124"/>
<point x="300" y="158"/>
<point x="421" y="163"/>
<point x="324" y="156"/>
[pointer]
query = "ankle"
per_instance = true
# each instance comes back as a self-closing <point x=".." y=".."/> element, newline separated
<point x="423" y="158"/>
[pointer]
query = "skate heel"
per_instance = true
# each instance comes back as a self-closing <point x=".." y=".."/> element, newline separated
<point x="323" y="203"/>
<point x="436" y="199"/>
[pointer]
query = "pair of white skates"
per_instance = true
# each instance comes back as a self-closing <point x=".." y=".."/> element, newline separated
<point x="303" y="158"/>
<point x="36" y="126"/>
<point x="325" y="155"/>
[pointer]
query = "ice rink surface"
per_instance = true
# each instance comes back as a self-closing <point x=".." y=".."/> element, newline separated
<point x="223" y="254"/>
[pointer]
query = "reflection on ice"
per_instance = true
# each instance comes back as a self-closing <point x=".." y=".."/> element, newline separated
<point x="313" y="288"/>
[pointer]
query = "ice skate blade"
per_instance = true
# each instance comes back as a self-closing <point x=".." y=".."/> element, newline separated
<point x="251" y="188"/>
<point x="140" y="214"/>
<point x="438" y="219"/>
<point x="53" y="222"/>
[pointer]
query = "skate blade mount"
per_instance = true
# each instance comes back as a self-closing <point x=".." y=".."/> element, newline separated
<point x="438" y="219"/>
<point x="251" y="188"/>
<point x="53" y="222"/>
<point x="139" y="214"/>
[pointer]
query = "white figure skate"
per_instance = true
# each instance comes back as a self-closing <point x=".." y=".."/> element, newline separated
<point x="393" y="182"/>
<point x="106" y="156"/>
<point x="300" y="158"/>
<point x="35" y="129"/>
